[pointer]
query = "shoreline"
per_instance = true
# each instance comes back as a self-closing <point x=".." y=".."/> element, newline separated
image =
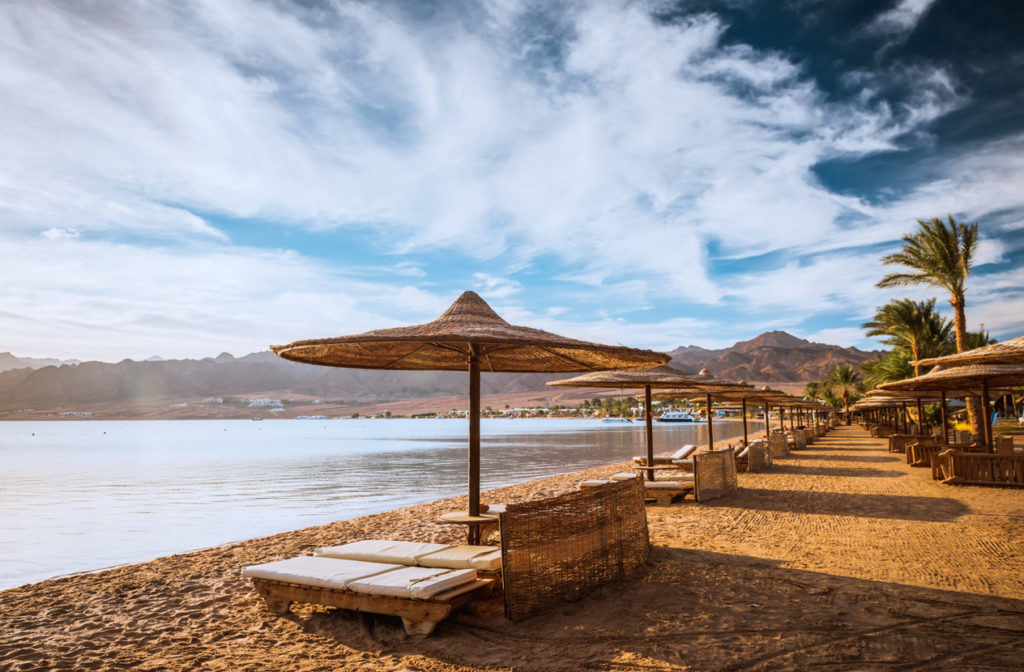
<point x="839" y="556"/>
<point x="603" y="469"/>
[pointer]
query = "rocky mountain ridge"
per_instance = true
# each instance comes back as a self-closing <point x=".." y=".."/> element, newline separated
<point x="771" y="357"/>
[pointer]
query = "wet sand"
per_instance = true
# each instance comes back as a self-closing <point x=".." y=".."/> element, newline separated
<point x="841" y="557"/>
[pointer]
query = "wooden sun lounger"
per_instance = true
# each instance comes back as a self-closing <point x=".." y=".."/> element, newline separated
<point x="665" y="492"/>
<point x="954" y="467"/>
<point x="684" y="453"/>
<point x="919" y="454"/>
<point x="371" y="587"/>
<point x="419" y="617"/>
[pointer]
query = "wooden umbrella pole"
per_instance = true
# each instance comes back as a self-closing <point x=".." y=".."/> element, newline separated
<point x="906" y="419"/>
<point x="986" y="416"/>
<point x="945" y="423"/>
<point x="743" y="403"/>
<point x="474" y="433"/>
<point x="649" y="428"/>
<point x="711" y="431"/>
<point x="920" y="417"/>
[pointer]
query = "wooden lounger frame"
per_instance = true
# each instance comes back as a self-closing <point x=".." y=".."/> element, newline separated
<point x="419" y="617"/>
<point x="667" y="495"/>
<point x="954" y="467"/>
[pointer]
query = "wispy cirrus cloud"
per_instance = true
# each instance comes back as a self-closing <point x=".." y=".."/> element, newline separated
<point x="587" y="153"/>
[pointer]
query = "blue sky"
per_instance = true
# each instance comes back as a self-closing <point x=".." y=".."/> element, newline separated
<point x="185" y="178"/>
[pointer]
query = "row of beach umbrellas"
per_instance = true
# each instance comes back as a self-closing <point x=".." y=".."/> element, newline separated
<point x="469" y="336"/>
<point x="976" y="373"/>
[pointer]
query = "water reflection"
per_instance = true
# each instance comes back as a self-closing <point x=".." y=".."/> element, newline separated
<point x="83" y="495"/>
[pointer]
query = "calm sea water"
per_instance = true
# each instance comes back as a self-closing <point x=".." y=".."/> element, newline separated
<point x="83" y="495"/>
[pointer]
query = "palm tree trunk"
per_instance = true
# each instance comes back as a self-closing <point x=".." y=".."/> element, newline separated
<point x="974" y="410"/>
<point x="916" y="349"/>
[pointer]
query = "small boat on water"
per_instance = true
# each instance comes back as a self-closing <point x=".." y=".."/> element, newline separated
<point x="257" y="419"/>
<point x="617" y="421"/>
<point x="678" y="416"/>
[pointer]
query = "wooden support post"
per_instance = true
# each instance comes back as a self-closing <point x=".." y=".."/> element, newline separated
<point x="743" y="402"/>
<point x="649" y="428"/>
<point x="945" y="422"/>
<point x="474" y="434"/>
<point x="986" y="417"/>
<point x="711" y="431"/>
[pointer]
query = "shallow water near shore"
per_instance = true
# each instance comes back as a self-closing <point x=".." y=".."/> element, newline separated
<point x="83" y="495"/>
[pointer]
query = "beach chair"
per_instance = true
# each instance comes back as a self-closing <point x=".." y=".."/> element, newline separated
<point x="742" y="453"/>
<point x="682" y="454"/>
<point x="665" y="492"/>
<point x="954" y="467"/>
<point x="421" y="596"/>
<point x="414" y="553"/>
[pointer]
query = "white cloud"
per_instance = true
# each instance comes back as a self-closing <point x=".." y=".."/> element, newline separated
<point x="901" y="19"/>
<point x="620" y="158"/>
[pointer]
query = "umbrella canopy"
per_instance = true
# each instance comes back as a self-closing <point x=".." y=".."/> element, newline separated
<point x="468" y="336"/>
<point x="740" y="394"/>
<point x="446" y="344"/>
<point x="974" y="376"/>
<point x="1007" y="352"/>
<point x="655" y="377"/>
<point x="961" y="377"/>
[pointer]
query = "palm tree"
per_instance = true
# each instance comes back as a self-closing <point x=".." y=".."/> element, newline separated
<point x="844" y="385"/>
<point x="892" y="366"/>
<point x="914" y="325"/>
<point x="940" y="254"/>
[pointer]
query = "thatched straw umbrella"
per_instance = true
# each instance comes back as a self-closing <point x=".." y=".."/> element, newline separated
<point x="920" y="397"/>
<point x="1007" y="352"/>
<point x="956" y="378"/>
<point x="657" y="377"/>
<point x="468" y="336"/>
<point x="742" y="395"/>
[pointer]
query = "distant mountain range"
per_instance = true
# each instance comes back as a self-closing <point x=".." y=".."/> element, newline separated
<point x="44" y="383"/>
<point x="774" y="356"/>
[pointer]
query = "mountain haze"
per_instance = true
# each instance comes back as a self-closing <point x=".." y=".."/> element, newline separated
<point x="771" y="357"/>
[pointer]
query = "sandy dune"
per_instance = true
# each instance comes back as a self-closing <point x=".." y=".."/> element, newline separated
<point x="841" y="557"/>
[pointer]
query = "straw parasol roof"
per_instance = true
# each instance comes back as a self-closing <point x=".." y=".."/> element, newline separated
<point x="469" y="336"/>
<point x="959" y="377"/>
<point x="983" y="376"/>
<point x="658" y="376"/>
<point x="444" y="345"/>
<point x="655" y="377"/>
<point x="1007" y="352"/>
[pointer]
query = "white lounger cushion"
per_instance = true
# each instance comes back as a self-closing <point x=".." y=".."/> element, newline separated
<point x="484" y="558"/>
<point x="622" y="476"/>
<point x="418" y="582"/>
<point x="668" y="485"/>
<point x="594" y="483"/>
<point x="382" y="550"/>
<point x="321" y="572"/>
<point x="684" y="451"/>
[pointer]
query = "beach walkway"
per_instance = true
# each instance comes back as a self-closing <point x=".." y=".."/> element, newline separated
<point x="840" y="557"/>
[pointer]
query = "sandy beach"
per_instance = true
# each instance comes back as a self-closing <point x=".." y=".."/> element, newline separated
<point x="840" y="557"/>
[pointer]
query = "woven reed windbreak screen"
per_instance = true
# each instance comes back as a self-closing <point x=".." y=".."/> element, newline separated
<point x="757" y="458"/>
<point x="557" y="550"/>
<point x="714" y="474"/>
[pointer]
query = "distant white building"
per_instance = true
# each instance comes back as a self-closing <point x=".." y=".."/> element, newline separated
<point x="183" y="404"/>
<point x="75" y="414"/>
<point x="264" y="402"/>
<point x="213" y="400"/>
